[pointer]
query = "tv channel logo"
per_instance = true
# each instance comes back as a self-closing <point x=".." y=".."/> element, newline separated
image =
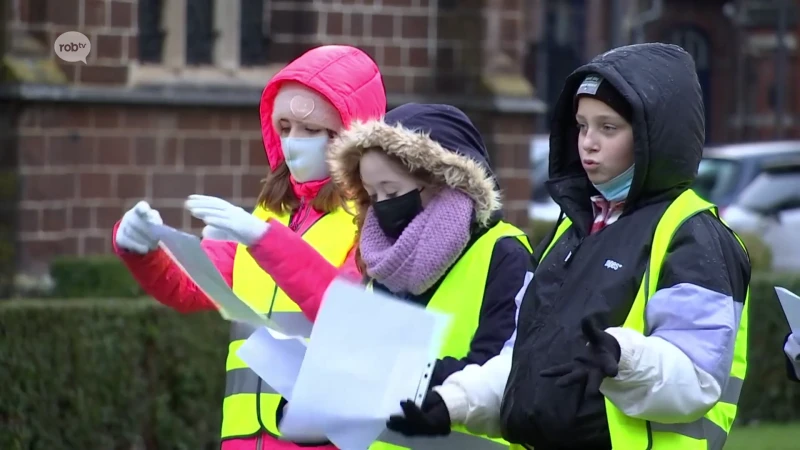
<point x="72" y="46"/>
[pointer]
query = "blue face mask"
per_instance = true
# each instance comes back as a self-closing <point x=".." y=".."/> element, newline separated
<point x="617" y="188"/>
<point x="305" y="157"/>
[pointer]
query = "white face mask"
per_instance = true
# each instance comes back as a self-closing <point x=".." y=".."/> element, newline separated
<point x="306" y="157"/>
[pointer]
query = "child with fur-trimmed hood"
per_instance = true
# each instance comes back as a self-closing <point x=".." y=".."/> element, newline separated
<point x="429" y="230"/>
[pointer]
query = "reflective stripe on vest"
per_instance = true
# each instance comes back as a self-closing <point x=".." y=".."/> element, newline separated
<point x="461" y="295"/>
<point x="250" y="405"/>
<point x="710" y="431"/>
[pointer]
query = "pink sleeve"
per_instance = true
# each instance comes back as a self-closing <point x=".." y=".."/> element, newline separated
<point x="297" y="268"/>
<point x="164" y="280"/>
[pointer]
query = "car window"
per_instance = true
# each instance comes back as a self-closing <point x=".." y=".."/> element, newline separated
<point x="772" y="192"/>
<point x="716" y="178"/>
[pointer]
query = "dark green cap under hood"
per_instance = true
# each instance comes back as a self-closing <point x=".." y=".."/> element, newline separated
<point x="660" y="83"/>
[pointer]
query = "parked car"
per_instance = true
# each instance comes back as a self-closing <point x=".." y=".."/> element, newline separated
<point x="770" y="208"/>
<point x="724" y="173"/>
<point x="727" y="170"/>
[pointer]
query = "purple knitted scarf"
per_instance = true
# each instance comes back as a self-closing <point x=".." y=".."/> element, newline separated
<point x="429" y="245"/>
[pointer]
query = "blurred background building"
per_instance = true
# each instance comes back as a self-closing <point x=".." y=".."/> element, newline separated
<point x="167" y="104"/>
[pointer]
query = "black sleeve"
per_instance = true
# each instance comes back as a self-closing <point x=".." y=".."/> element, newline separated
<point x="706" y="253"/>
<point x="507" y="275"/>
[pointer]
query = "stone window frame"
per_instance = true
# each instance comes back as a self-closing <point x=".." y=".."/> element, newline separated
<point x="225" y="69"/>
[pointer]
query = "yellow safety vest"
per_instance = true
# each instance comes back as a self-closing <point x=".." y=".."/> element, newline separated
<point x="461" y="295"/>
<point x="711" y="431"/>
<point x="250" y="404"/>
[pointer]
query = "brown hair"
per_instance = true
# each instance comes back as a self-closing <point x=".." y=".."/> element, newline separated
<point x="363" y="202"/>
<point x="277" y="194"/>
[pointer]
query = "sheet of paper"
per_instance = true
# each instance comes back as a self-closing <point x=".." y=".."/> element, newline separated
<point x="274" y="357"/>
<point x="791" y="307"/>
<point x="367" y="353"/>
<point x="186" y="251"/>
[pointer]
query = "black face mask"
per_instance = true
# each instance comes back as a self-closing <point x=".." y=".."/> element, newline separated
<point x="394" y="214"/>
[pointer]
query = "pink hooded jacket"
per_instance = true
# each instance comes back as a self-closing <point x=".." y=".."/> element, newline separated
<point x="351" y="81"/>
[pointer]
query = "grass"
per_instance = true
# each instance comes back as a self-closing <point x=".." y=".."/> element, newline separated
<point x="765" y="437"/>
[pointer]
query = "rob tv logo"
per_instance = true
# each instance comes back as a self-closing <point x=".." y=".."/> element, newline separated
<point x="72" y="46"/>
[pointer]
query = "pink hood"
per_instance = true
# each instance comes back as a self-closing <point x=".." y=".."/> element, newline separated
<point x="345" y="75"/>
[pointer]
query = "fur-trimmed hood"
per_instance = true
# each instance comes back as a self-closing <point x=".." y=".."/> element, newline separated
<point x="437" y="139"/>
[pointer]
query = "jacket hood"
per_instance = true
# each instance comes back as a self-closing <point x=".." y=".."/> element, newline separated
<point x="346" y="76"/>
<point x="438" y="139"/>
<point x="660" y="83"/>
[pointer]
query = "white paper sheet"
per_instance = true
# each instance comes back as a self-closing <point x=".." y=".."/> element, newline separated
<point x="367" y="353"/>
<point x="274" y="357"/>
<point x="791" y="307"/>
<point x="186" y="251"/>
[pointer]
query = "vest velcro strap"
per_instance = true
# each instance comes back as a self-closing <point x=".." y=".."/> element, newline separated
<point x="245" y="381"/>
<point x="461" y="441"/>
<point x="699" y="429"/>
<point x="291" y="323"/>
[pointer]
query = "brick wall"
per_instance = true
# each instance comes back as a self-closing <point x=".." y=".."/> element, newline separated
<point x="82" y="164"/>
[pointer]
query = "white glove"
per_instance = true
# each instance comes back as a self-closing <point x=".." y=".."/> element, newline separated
<point x="233" y="221"/>
<point x="133" y="233"/>
<point x="215" y="234"/>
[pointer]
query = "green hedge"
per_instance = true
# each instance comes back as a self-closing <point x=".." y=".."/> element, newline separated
<point x="128" y="373"/>
<point x="109" y="374"/>
<point x="92" y="277"/>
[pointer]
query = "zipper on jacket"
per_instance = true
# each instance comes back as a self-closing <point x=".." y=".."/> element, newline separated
<point x="303" y="209"/>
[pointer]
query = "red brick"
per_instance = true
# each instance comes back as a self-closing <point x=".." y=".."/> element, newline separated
<point x="415" y="27"/>
<point x="335" y="24"/>
<point x="52" y="186"/>
<point x="121" y="14"/>
<point x="65" y="117"/>
<point x="170" y="149"/>
<point x="32" y="150"/>
<point x="106" y="117"/>
<point x="199" y="119"/>
<point x="133" y="48"/>
<point x="29" y="118"/>
<point x="39" y="252"/>
<point x="95" y="245"/>
<point x="138" y="117"/>
<point x="382" y="25"/>
<point x="30" y="219"/>
<point x="392" y="56"/>
<point x="394" y="83"/>
<point x="357" y="24"/>
<point x="174" y="185"/>
<point x="144" y="151"/>
<point x="114" y="151"/>
<point x="95" y="186"/>
<point x="256" y="154"/>
<point x="418" y="57"/>
<point x="398" y="2"/>
<point x="67" y="150"/>
<point x="107" y="216"/>
<point x="202" y="152"/>
<point x="217" y="185"/>
<point x="236" y="152"/>
<point x="131" y="186"/>
<point x="54" y="219"/>
<point x="107" y="46"/>
<point x="103" y="74"/>
<point x="251" y="184"/>
<point x="63" y="12"/>
<point x="81" y="217"/>
<point x="95" y="12"/>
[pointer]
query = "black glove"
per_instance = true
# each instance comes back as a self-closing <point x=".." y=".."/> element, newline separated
<point x="432" y="420"/>
<point x="600" y="357"/>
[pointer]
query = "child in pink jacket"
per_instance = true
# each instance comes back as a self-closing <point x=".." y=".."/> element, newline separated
<point x="302" y="108"/>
